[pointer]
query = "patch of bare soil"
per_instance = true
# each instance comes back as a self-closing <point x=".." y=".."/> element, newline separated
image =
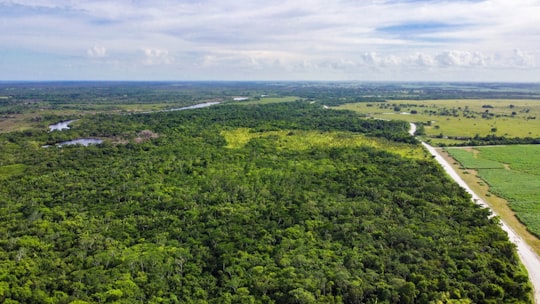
<point x="145" y="135"/>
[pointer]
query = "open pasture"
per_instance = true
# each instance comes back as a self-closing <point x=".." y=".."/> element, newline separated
<point x="512" y="172"/>
<point x="450" y="121"/>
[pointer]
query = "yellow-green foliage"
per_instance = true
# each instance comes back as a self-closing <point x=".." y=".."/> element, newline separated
<point x="11" y="170"/>
<point x="303" y="140"/>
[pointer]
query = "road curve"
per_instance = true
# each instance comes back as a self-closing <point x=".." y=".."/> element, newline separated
<point x="528" y="257"/>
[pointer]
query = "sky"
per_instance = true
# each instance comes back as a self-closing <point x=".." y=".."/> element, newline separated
<point x="371" y="40"/>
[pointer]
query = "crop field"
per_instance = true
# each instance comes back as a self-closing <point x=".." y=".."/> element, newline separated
<point x="513" y="173"/>
<point x="449" y="121"/>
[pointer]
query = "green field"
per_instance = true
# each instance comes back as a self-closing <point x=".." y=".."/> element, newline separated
<point x="513" y="173"/>
<point x="446" y="120"/>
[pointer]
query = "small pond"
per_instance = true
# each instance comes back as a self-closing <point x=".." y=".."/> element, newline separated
<point x="81" y="141"/>
<point x="63" y="125"/>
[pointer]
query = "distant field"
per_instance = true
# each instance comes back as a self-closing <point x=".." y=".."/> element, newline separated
<point x="512" y="172"/>
<point x="460" y="118"/>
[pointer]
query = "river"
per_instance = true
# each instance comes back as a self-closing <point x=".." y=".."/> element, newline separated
<point x="197" y="106"/>
<point x="528" y="257"/>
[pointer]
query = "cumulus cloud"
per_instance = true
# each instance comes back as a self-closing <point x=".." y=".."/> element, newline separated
<point x="96" y="51"/>
<point x="155" y="56"/>
<point x="423" y="60"/>
<point x="521" y="59"/>
<point x="460" y="59"/>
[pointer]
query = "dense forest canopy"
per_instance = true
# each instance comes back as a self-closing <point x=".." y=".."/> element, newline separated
<point x="165" y="211"/>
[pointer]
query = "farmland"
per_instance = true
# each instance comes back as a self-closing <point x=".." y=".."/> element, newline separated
<point x="512" y="172"/>
<point x="457" y="121"/>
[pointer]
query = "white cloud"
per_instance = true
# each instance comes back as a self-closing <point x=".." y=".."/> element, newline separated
<point x="96" y="52"/>
<point x="460" y="59"/>
<point x="342" y="37"/>
<point x="423" y="60"/>
<point x="155" y="56"/>
<point x="521" y="59"/>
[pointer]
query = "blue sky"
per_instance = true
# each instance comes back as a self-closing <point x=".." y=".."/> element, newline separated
<point x="374" y="40"/>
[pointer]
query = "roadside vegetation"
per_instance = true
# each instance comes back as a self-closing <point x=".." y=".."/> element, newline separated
<point x="284" y="202"/>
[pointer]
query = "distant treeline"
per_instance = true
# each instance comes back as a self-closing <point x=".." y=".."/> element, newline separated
<point x="494" y="140"/>
<point x="330" y="93"/>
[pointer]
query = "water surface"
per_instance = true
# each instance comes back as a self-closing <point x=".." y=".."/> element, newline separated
<point x="81" y="141"/>
<point x="63" y="125"/>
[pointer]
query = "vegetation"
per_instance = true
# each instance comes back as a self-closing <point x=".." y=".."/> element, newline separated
<point x="276" y="203"/>
<point x="463" y="121"/>
<point x="512" y="172"/>
<point x="304" y="140"/>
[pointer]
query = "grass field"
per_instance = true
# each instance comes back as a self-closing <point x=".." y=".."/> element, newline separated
<point x="512" y="172"/>
<point x="461" y="117"/>
<point x="303" y="140"/>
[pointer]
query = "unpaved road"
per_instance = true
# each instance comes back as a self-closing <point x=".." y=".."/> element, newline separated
<point x="528" y="257"/>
